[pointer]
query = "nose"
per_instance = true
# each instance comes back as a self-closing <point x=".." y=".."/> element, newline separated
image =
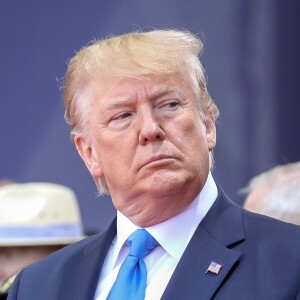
<point x="150" y="130"/>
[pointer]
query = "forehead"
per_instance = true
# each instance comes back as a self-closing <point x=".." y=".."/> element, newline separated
<point x="152" y="86"/>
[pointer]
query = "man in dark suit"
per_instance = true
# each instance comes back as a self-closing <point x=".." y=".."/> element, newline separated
<point x="144" y="124"/>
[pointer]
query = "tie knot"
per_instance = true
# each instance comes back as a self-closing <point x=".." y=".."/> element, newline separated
<point x="141" y="243"/>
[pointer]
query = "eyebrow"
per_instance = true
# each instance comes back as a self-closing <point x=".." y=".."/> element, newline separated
<point x="156" y="92"/>
<point x="162" y="90"/>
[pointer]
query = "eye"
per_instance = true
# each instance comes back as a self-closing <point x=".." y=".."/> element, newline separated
<point x="169" y="105"/>
<point x="121" y="116"/>
<point x="173" y="104"/>
<point x="120" y="121"/>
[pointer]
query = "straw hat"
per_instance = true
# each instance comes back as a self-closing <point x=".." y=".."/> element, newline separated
<point x="38" y="213"/>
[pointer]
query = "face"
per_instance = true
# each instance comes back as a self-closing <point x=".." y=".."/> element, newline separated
<point x="147" y="138"/>
<point x="253" y="202"/>
<point x="12" y="259"/>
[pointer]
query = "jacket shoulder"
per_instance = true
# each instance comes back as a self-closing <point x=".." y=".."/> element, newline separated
<point x="270" y="235"/>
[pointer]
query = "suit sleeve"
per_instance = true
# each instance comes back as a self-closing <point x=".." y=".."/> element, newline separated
<point x="298" y="295"/>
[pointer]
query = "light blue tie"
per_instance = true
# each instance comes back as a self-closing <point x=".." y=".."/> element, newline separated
<point x="131" y="280"/>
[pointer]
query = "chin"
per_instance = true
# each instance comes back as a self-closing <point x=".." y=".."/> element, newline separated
<point x="167" y="183"/>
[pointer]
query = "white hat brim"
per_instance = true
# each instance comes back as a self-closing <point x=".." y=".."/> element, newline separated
<point x="40" y="241"/>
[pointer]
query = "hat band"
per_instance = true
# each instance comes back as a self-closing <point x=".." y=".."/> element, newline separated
<point x="34" y="232"/>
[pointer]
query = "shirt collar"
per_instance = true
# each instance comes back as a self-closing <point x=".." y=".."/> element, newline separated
<point x="185" y="223"/>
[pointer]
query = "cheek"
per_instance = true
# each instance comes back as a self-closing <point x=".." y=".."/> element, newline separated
<point x="191" y="135"/>
<point x="115" y="154"/>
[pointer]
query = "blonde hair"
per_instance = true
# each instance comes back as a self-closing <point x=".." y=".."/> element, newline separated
<point x="133" y="55"/>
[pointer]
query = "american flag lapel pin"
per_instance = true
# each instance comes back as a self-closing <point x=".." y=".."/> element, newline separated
<point x="214" y="268"/>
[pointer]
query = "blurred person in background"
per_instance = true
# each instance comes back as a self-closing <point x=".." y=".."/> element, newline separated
<point x="36" y="219"/>
<point x="276" y="193"/>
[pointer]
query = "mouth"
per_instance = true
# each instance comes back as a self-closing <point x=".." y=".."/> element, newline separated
<point x="158" y="159"/>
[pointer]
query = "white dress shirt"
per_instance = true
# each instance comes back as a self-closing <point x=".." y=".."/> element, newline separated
<point x="173" y="236"/>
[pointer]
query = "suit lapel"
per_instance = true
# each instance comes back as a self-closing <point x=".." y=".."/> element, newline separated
<point x="81" y="283"/>
<point x="219" y="231"/>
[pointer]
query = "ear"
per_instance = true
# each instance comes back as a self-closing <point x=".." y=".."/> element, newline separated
<point x="211" y="133"/>
<point x="88" y="155"/>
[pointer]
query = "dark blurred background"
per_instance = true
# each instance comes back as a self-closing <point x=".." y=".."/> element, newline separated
<point x="251" y="56"/>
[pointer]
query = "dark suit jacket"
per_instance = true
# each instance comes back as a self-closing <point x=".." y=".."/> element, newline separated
<point x="260" y="259"/>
